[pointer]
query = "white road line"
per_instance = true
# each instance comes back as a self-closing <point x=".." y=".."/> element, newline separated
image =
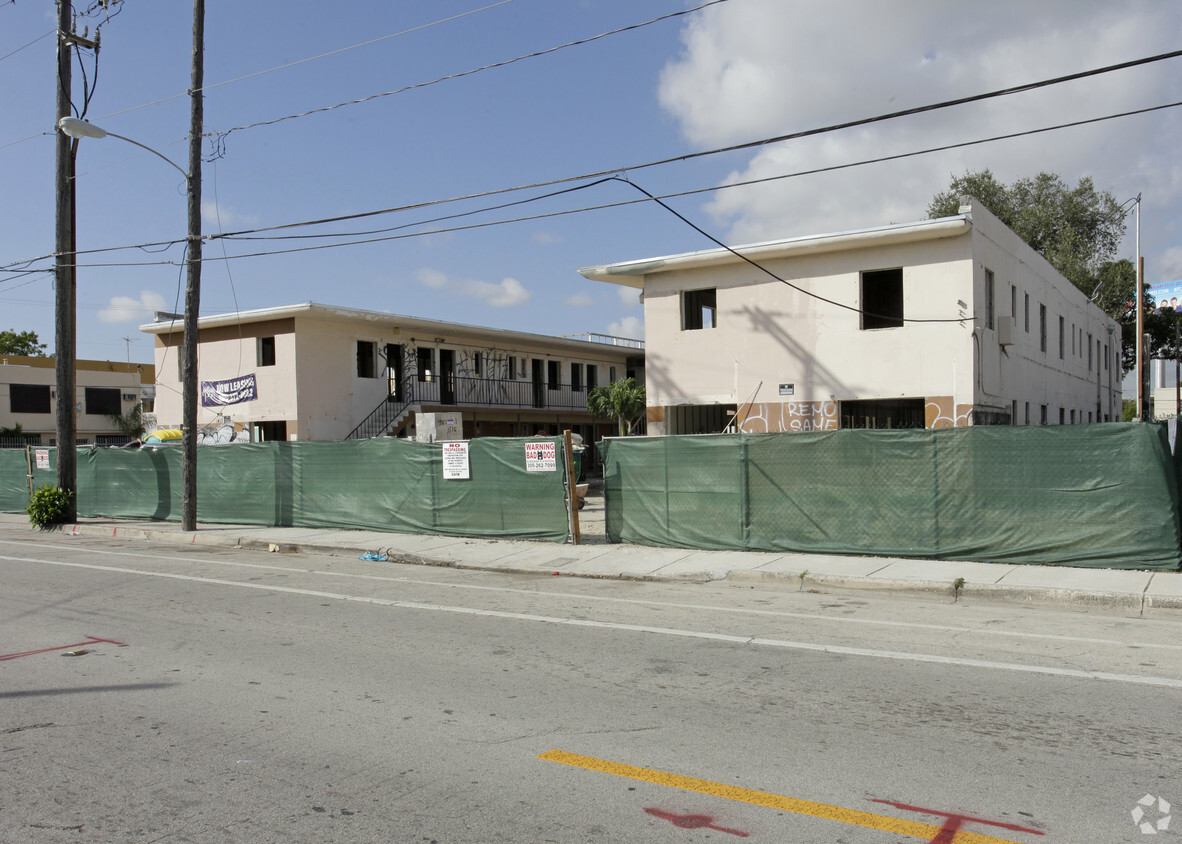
<point x="988" y="631"/>
<point x="641" y="628"/>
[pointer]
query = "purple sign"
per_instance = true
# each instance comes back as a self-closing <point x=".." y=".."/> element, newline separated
<point x="234" y="391"/>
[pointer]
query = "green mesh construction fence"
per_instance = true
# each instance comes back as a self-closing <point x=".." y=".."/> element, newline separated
<point x="379" y="484"/>
<point x="14" y="485"/>
<point x="1102" y="496"/>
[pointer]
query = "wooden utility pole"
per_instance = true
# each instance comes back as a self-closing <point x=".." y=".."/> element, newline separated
<point x="65" y="322"/>
<point x="572" y="496"/>
<point x="193" y="284"/>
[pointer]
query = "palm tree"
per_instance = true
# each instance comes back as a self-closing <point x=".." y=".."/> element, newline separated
<point x="623" y="401"/>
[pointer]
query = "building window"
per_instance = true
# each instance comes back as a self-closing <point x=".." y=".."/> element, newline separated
<point x="1060" y="338"/>
<point x="576" y="376"/>
<point x="882" y="299"/>
<point x="1027" y="413"/>
<point x="1042" y="329"/>
<point x="553" y="374"/>
<point x="28" y="398"/>
<point x="477" y="364"/>
<point x="592" y="376"/>
<point x="103" y="401"/>
<point x="512" y="369"/>
<point x="611" y="375"/>
<point x="1089" y="353"/>
<point x="1043" y="415"/>
<point x="1014" y="303"/>
<point x="426" y="359"/>
<point x="699" y="309"/>
<point x="366" y="359"/>
<point x="989" y="307"/>
<point x="1062" y="417"/>
<point x="1026" y="311"/>
<point x="265" y="351"/>
<point x="1105" y="355"/>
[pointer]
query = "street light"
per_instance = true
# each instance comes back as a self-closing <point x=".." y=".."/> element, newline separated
<point x="76" y="128"/>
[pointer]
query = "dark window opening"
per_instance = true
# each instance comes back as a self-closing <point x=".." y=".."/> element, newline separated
<point x="512" y="369"/>
<point x="576" y="376"/>
<point x="699" y="309"/>
<point x="989" y="304"/>
<point x="366" y="359"/>
<point x="592" y="376"/>
<point x="425" y="359"/>
<point x="882" y="299"/>
<point x="553" y="374"/>
<point x="883" y="413"/>
<point x="270" y="432"/>
<point x="28" y="398"/>
<point x="103" y="401"/>
<point x="266" y="351"/>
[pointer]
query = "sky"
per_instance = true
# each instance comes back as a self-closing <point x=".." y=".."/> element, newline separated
<point x="373" y="105"/>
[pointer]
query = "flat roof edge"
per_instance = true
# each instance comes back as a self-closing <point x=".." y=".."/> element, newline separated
<point x="631" y="273"/>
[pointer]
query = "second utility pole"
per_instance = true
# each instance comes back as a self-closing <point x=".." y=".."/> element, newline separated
<point x="193" y="284"/>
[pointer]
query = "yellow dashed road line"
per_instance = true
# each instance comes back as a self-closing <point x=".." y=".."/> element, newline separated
<point x="898" y="826"/>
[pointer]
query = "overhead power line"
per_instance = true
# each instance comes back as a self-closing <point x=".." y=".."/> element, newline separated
<point x="719" y="150"/>
<point x="221" y="136"/>
<point x="551" y="214"/>
<point x="297" y="62"/>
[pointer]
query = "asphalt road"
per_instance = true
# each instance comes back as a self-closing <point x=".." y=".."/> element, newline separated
<point x="166" y="693"/>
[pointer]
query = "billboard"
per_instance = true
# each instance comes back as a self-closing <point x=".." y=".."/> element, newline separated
<point x="1167" y="294"/>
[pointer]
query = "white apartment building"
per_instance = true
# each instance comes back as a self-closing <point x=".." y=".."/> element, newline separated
<point x="935" y="323"/>
<point x="28" y="397"/>
<point x="317" y="372"/>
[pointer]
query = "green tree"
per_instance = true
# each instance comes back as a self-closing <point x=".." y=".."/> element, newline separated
<point x="623" y="401"/>
<point x="1077" y="229"/>
<point x="22" y="343"/>
<point x="131" y="424"/>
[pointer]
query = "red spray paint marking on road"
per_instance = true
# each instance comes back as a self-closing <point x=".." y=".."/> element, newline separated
<point x="90" y="640"/>
<point x="693" y="822"/>
<point x="952" y="822"/>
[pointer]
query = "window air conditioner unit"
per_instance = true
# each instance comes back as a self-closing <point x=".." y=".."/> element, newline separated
<point x="1005" y="331"/>
<point x="129" y="396"/>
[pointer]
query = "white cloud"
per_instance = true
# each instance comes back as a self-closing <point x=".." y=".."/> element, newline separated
<point x="224" y="217"/>
<point x="632" y="327"/>
<point x="764" y="68"/>
<point x="508" y="293"/>
<point x="629" y="296"/>
<point x="137" y="311"/>
<point x="580" y="300"/>
<point x="432" y="278"/>
<point x="547" y="238"/>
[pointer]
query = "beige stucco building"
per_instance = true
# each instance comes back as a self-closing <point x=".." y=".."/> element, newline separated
<point x="28" y="397"/>
<point x="954" y="321"/>
<point x="316" y="372"/>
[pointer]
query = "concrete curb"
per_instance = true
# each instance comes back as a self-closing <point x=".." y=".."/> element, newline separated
<point x="639" y="565"/>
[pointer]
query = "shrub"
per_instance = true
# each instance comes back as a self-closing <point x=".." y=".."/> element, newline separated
<point x="48" y="506"/>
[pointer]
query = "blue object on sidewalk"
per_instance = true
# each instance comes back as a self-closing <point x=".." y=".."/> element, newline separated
<point x="381" y="558"/>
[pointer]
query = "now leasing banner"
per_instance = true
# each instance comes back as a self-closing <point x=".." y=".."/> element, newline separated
<point x="234" y="391"/>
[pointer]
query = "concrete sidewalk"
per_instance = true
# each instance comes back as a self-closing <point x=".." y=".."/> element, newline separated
<point x="1136" y="592"/>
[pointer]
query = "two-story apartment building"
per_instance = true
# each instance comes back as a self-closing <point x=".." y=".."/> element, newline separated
<point x="936" y="323"/>
<point x="28" y="397"/>
<point x="316" y="372"/>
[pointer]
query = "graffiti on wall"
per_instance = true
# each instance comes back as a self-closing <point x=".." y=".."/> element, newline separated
<point x="220" y="434"/>
<point x="779" y="417"/>
<point x="938" y="413"/>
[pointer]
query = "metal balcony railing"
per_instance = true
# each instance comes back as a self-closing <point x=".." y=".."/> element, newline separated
<point x="464" y="391"/>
